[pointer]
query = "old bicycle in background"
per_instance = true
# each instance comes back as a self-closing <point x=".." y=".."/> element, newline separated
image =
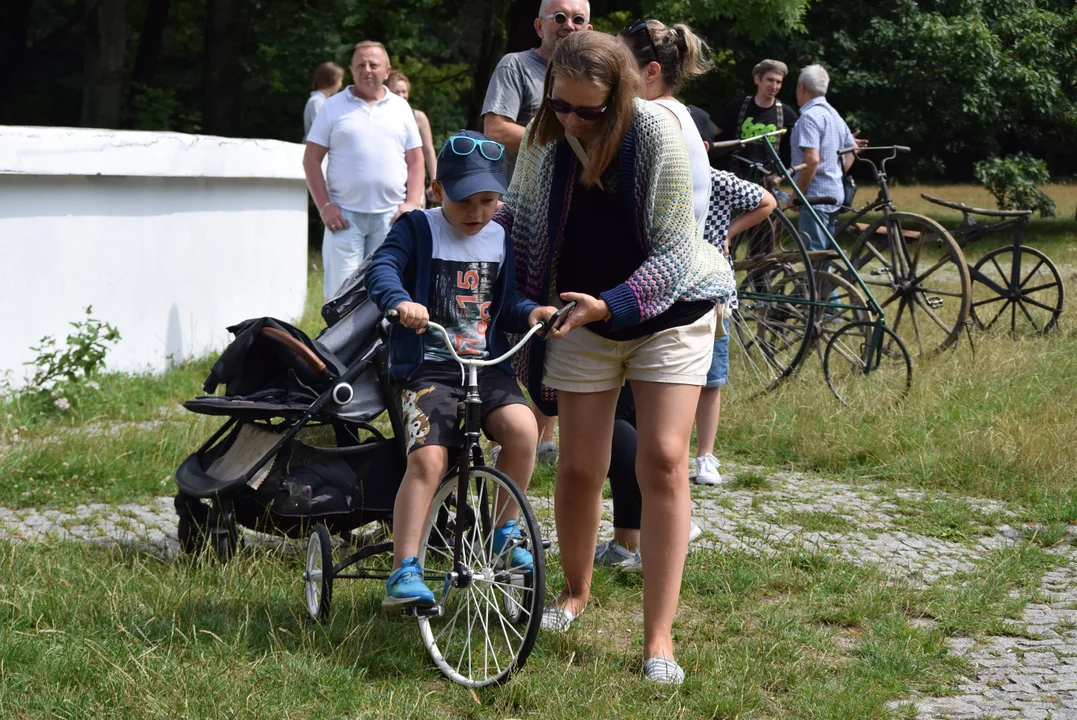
<point x="911" y="261"/>
<point x="782" y="289"/>
<point x="1012" y="285"/>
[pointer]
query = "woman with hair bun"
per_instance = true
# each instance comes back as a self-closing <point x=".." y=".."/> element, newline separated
<point x="667" y="57"/>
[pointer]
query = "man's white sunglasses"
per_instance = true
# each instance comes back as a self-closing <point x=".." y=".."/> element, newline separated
<point x="561" y="18"/>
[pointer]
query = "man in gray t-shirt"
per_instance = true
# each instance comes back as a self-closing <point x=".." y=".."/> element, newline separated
<point x="515" y="90"/>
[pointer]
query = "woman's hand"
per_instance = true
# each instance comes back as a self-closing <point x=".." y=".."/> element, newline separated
<point x="588" y="309"/>
<point x="541" y="314"/>
<point x="414" y="316"/>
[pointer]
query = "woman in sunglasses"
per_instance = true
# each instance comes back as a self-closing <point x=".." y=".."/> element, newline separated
<point x="601" y="213"/>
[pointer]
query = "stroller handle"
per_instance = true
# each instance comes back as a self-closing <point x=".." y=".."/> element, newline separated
<point x="541" y="327"/>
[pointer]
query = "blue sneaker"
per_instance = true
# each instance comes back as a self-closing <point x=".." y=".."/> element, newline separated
<point x="521" y="559"/>
<point x="405" y="587"/>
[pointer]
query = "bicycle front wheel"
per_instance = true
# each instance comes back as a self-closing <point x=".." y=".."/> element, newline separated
<point x="770" y="331"/>
<point x="490" y="610"/>
<point x="918" y="273"/>
<point x="867" y="364"/>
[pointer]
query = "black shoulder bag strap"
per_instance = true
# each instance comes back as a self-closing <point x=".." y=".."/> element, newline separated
<point x="740" y="117"/>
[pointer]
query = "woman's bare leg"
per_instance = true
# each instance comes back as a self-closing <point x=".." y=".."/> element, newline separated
<point x="586" y="434"/>
<point x="664" y="414"/>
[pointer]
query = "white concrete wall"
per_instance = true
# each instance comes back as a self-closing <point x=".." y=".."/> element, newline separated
<point x="169" y="237"/>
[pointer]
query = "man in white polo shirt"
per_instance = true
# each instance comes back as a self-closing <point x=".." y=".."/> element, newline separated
<point x="375" y="171"/>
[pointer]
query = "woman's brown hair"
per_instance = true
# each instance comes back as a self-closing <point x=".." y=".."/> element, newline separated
<point x="681" y="53"/>
<point x="396" y="76"/>
<point x="605" y="61"/>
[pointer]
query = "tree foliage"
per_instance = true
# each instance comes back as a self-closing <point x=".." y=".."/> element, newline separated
<point x="1014" y="180"/>
<point x="958" y="80"/>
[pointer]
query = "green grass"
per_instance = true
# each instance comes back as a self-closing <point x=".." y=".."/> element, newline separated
<point x="86" y="631"/>
<point x="749" y="480"/>
<point x="946" y="519"/>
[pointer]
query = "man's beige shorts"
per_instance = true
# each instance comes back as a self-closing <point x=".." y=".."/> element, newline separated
<point x="584" y="362"/>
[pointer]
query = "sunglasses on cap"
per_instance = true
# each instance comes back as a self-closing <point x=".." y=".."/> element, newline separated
<point x="584" y="113"/>
<point x="640" y="28"/>
<point x="561" y="18"/>
<point x="463" y="145"/>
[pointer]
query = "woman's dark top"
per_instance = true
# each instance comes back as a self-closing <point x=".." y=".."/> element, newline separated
<point x="600" y="251"/>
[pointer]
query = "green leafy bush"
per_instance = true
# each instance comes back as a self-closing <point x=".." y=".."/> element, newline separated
<point x="1014" y="180"/>
<point x="83" y="356"/>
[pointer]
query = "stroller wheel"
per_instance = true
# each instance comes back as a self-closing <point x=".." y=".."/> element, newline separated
<point x="223" y="533"/>
<point x="490" y="610"/>
<point x="318" y="577"/>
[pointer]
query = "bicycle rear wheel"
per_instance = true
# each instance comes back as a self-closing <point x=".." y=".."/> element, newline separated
<point x="490" y="612"/>
<point x="770" y="331"/>
<point x="918" y="273"/>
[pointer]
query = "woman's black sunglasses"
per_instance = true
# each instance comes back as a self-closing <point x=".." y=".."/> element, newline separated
<point x="640" y="28"/>
<point x="561" y="18"/>
<point x="584" y="113"/>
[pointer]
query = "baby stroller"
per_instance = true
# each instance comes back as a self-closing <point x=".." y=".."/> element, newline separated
<point x="300" y="456"/>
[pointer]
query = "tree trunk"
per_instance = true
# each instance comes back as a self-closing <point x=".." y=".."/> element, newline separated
<point x="150" y="42"/>
<point x="15" y="21"/>
<point x="224" y="69"/>
<point x="491" y="48"/>
<point x="106" y="38"/>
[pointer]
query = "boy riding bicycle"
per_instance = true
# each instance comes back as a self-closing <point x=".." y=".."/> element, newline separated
<point x="452" y="266"/>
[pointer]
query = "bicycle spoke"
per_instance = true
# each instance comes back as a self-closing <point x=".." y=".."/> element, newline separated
<point x="997" y="315"/>
<point x="1037" y="303"/>
<point x="1036" y="289"/>
<point x="1023" y="310"/>
<point x="997" y="298"/>
<point x="1029" y="276"/>
<point x="916" y="323"/>
<point x="935" y="291"/>
<point x="1002" y="275"/>
<point x="931" y="313"/>
<point x="920" y="278"/>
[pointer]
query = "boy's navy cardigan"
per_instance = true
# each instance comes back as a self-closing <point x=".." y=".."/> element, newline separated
<point x="400" y="272"/>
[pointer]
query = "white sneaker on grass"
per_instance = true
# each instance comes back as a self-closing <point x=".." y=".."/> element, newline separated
<point x="694" y="531"/>
<point x="707" y="471"/>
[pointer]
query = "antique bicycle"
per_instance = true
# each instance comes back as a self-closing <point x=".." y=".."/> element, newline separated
<point x="912" y="261"/>
<point x="779" y="286"/>
<point x="1002" y="279"/>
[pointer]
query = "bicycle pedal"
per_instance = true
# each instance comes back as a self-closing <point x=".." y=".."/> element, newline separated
<point x="934" y="302"/>
<point x="418" y="612"/>
<point x="880" y="271"/>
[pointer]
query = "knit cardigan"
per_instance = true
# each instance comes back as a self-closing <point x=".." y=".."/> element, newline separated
<point x="655" y="184"/>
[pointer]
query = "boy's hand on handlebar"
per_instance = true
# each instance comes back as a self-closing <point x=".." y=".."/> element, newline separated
<point x="414" y="316"/>
<point x="588" y="309"/>
<point x="541" y="314"/>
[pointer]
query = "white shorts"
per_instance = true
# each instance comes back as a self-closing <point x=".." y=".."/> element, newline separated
<point x="584" y="362"/>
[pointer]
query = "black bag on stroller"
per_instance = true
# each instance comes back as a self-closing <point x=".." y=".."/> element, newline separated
<point x="299" y="445"/>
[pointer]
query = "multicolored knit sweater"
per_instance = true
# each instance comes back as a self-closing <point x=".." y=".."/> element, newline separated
<point x="656" y="185"/>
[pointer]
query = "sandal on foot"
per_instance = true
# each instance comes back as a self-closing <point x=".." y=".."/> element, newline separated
<point x="663" y="671"/>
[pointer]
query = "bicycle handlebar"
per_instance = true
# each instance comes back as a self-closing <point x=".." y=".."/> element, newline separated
<point x="745" y="141"/>
<point x="892" y="148"/>
<point x="542" y="326"/>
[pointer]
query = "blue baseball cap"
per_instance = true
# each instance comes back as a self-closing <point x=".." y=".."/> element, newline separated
<point x="465" y="167"/>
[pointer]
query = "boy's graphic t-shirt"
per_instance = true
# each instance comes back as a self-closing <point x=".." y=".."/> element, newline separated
<point x="463" y="272"/>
